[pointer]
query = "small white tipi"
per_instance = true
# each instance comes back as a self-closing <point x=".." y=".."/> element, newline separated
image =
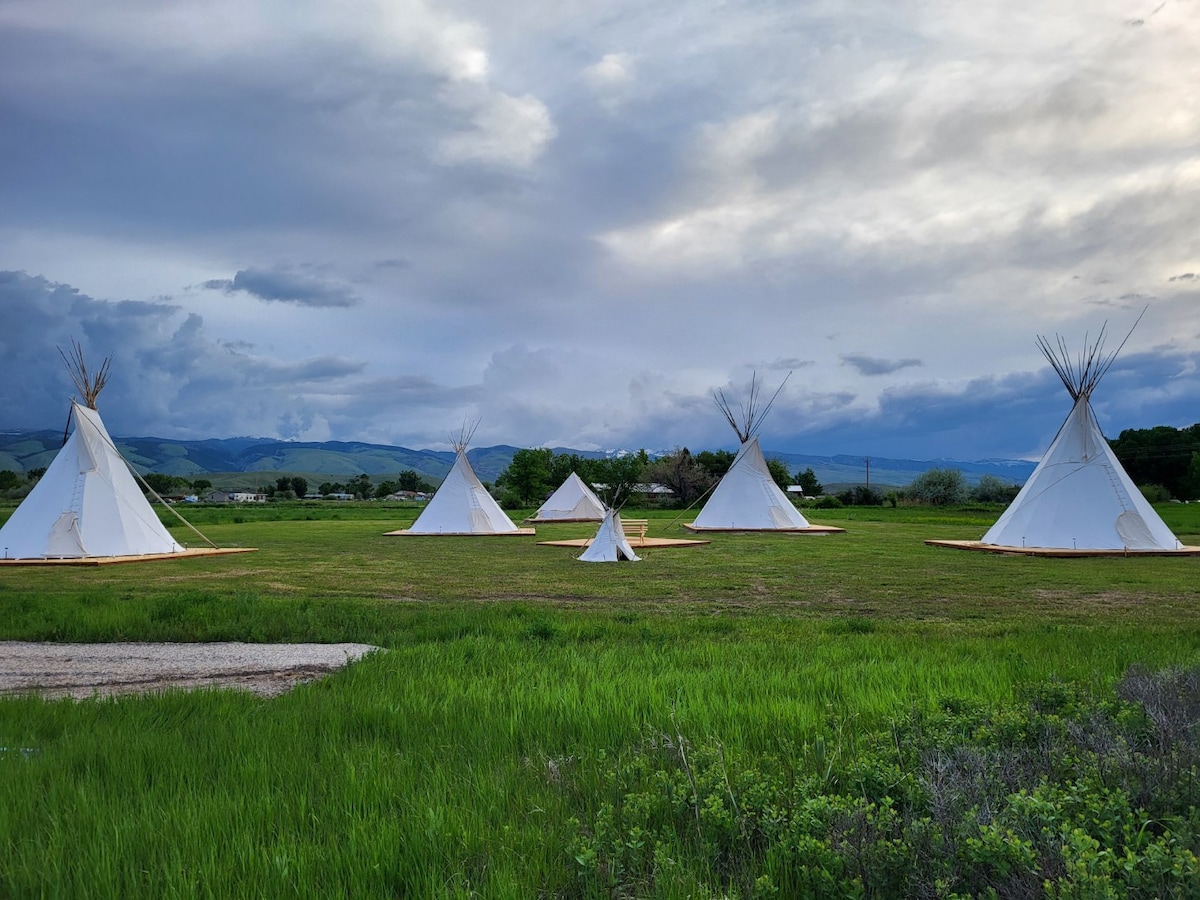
<point x="462" y="505"/>
<point x="610" y="543"/>
<point x="1079" y="497"/>
<point x="574" y="501"/>
<point x="747" y="497"/>
<point x="87" y="505"/>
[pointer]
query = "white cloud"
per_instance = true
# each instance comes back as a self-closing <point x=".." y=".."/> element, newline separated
<point x="506" y="131"/>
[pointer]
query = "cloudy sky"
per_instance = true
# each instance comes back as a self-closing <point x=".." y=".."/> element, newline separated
<point x="573" y="221"/>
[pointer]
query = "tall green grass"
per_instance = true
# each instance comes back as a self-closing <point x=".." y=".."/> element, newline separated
<point x="458" y="762"/>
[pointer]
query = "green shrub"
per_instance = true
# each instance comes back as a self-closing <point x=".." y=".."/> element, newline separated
<point x="1155" y="493"/>
<point x="1063" y="795"/>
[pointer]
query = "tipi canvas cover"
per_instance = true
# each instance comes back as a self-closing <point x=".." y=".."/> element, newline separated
<point x="748" y="499"/>
<point x="1079" y="497"/>
<point x="87" y="504"/>
<point x="610" y="543"/>
<point x="574" y="501"/>
<point x="462" y="505"/>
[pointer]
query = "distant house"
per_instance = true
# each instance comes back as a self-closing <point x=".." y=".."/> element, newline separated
<point x="418" y="496"/>
<point x="235" y="497"/>
<point x="653" y="491"/>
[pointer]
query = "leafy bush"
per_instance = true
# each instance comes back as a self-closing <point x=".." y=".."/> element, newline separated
<point x="861" y="495"/>
<point x="938" y="487"/>
<point x="992" y="490"/>
<point x="1061" y="795"/>
<point x="1155" y="493"/>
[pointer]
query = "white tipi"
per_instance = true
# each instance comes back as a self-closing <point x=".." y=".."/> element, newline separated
<point x="747" y="497"/>
<point x="87" y="504"/>
<point x="462" y="505"/>
<point x="610" y="543"/>
<point x="1079" y="497"/>
<point x="574" y="501"/>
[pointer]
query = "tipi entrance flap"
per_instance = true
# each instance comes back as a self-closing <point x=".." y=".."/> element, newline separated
<point x="1134" y="531"/>
<point x="65" y="541"/>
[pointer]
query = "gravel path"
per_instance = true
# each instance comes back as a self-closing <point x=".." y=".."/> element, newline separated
<point x="85" y="670"/>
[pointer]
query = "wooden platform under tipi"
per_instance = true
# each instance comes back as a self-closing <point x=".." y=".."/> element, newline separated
<point x="811" y="529"/>
<point x="1058" y="551"/>
<point x="114" y="560"/>
<point x="635" y="541"/>
<point x="405" y="532"/>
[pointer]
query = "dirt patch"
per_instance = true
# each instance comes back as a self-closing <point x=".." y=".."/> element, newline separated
<point x="86" y="670"/>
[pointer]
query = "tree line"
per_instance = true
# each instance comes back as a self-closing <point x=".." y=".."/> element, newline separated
<point x="1162" y="456"/>
<point x="1163" y="461"/>
<point x="534" y="473"/>
<point x="286" y="487"/>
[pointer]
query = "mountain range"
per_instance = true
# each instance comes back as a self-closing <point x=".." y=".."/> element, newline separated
<point x="243" y="462"/>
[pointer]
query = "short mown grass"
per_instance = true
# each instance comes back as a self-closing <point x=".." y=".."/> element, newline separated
<point x="522" y="694"/>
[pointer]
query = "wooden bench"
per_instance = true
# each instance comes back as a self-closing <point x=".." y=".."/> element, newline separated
<point x="635" y="527"/>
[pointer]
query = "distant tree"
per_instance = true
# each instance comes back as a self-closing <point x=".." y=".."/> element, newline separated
<point x="779" y="473"/>
<point x="9" y="479"/>
<point x="619" y="475"/>
<point x="1192" y="482"/>
<point x="715" y="462"/>
<point x="385" y="489"/>
<point x="200" y="485"/>
<point x="1160" y="455"/>
<point x="527" y="476"/>
<point x="360" y="486"/>
<point x="680" y="472"/>
<point x="299" y="485"/>
<point x="326" y="488"/>
<point x="35" y="474"/>
<point x="808" y="483"/>
<point x="993" y="490"/>
<point x="282" y="483"/>
<point x="408" y="480"/>
<point x="860" y="495"/>
<point x="938" y="487"/>
<point x="1155" y="493"/>
<point x="164" y="484"/>
<point x="563" y="464"/>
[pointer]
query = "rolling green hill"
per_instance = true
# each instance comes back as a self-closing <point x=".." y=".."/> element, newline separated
<point x="242" y="462"/>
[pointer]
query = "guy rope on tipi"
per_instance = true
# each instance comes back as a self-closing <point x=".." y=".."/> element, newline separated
<point x="1079" y="501"/>
<point x="747" y="497"/>
<point x="87" y="509"/>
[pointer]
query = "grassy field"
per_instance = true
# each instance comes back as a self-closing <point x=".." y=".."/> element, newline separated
<point x="470" y="758"/>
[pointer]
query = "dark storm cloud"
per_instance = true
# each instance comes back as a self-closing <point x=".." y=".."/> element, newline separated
<point x="284" y="286"/>
<point x="872" y="365"/>
<point x="165" y="370"/>
<point x="1013" y="415"/>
